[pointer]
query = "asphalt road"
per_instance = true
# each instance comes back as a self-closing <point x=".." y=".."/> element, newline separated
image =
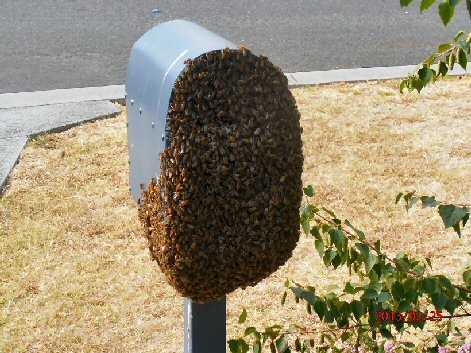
<point x="49" y="44"/>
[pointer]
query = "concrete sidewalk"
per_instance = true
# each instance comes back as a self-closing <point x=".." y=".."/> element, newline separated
<point x="26" y="114"/>
<point x="18" y="124"/>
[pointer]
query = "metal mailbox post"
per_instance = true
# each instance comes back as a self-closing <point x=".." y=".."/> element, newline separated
<point x="155" y="62"/>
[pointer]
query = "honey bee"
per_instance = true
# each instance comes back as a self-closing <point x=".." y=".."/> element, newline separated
<point x="209" y="208"/>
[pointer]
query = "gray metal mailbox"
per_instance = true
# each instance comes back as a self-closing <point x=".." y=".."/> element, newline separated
<point x="156" y="61"/>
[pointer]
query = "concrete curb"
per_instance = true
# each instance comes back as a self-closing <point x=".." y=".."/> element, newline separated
<point x="57" y="96"/>
<point x="297" y="79"/>
<point x="11" y="147"/>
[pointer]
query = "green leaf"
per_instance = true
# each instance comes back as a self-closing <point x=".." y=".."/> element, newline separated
<point x="429" y="201"/>
<point x="342" y="322"/>
<point x="398" y="197"/>
<point x="445" y="282"/>
<point x="462" y="58"/>
<point x="457" y="332"/>
<point x="444" y="47"/>
<point x="369" y="263"/>
<point x="439" y="300"/>
<point x="325" y="227"/>
<point x="329" y="212"/>
<point x="329" y="255"/>
<point x="425" y="4"/>
<point x="282" y="344"/>
<point x="458" y="36"/>
<point x="451" y="305"/>
<point x="442" y="339"/>
<point x="386" y="333"/>
<point x="244" y="346"/>
<point x="252" y="331"/>
<point x="389" y="280"/>
<point x="234" y="346"/>
<point x="404" y="306"/>
<point x="429" y="285"/>
<point x="320" y="307"/>
<point x="297" y="345"/>
<point x="306" y="218"/>
<point x="465" y="219"/>
<point x="373" y="276"/>
<point x="467" y="278"/>
<point x="301" y="293"/>
<point x="336" y="261"/>
<point x="350" y="289"/>
<point x="369" y="259"/>
<point x="377" y="246"/>
<point x="358" y="232"/>
<point x="402" y="265"/>
<point x="370" y="294"/>
<point x="430" y="60"/>
<point x="442" y="68"/>
<point x="316" y="233"/>
<point x="272" y="331"/>
<point x="357" y="309"/>
<point x="306" y="212"/>
<point x="257" y="347"/>
<point x="457" y="229"/>
<point x="364" y="249"/>
<point x="329" y="318"/>
<point x="345" y="336"/>
<point x="309" y="191"/>
<point x="319" y="244"/>
<point x="418" y="85"/>
<point x="410" y="199"/>
<point x="397" y="290"/>
<point x="419" y="270"/>
<point x="336" y="235"/>
<point x="405" y="3"/>
<point x="243" y="317"/>
<point x="306" y="224"/>
<point x="283" y="298"/>
<point x="410" y="289"/>
<point x="452" y="214"/>
<point x="446" y="12"/>
<point x="384" y="297"/>
<point x="468" y="6"/>
<point x="426" y="75"/>
<point x="297" y="291"/>
<point x="404" y="84"/>
<point x="451" y="61"/>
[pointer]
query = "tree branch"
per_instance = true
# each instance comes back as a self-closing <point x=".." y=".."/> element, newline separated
<point x="464" y="289"/>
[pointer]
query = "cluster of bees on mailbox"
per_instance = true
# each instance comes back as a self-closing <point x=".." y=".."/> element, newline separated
<point x="224" y="212"/>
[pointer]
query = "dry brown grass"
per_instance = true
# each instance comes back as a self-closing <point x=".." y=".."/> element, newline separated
<point x="75" y="273"/>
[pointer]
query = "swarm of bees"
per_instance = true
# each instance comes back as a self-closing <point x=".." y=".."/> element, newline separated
<point x="224" y="212"/>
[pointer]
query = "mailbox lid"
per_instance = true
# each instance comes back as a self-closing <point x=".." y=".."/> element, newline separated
<point x="156" y="61"/>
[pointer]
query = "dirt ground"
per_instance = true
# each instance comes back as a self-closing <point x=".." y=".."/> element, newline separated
<point x="75" y="272"/>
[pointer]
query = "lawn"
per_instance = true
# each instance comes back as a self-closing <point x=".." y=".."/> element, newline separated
<point x="75" y="271"/>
